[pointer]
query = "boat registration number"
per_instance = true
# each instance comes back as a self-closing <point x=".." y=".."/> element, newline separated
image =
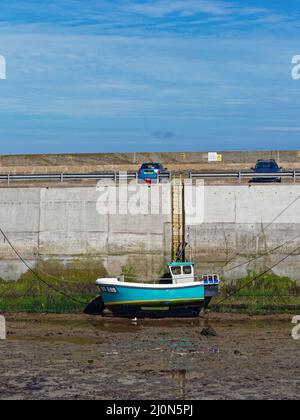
<point x="108" y="289"/>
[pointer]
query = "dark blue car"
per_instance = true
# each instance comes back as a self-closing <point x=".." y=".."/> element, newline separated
<point x="267" y="167"/>
<point x="151" y="171"/>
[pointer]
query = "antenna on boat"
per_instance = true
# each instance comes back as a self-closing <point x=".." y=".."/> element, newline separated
<point x="189" y="243"/>
<point x="180" y="256"/>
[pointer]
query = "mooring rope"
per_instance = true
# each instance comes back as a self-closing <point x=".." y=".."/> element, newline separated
<point x="69" y="297"/>
<point x="265" y="228"/>
<point x="257" y="277"/>
<point x="50" y="286"/>
<point x="261" y="255"/>
<point x="239" y="265"/>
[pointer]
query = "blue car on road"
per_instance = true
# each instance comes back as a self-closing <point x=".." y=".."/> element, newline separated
<point x="151" y="171"/>
<point x="267" y="167"/>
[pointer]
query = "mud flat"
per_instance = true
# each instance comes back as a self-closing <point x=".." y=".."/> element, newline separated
<point x="79" y="357"/>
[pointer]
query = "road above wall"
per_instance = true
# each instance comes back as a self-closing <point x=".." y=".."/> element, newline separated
<point x="178" y="162"/>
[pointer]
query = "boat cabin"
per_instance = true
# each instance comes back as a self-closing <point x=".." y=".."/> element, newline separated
<point x="182" y="272"/>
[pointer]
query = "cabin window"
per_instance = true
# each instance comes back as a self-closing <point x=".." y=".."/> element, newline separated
<point x="187" y="269"/>
<point x="176" y="271"/>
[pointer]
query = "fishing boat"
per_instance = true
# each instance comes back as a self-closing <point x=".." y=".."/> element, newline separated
<point x="179" y="294"/>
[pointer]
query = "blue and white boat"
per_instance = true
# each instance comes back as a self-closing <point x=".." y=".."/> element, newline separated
<point x="178" y="294"/>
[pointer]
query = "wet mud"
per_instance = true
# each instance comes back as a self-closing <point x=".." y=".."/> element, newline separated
<point x="83" y="357"/>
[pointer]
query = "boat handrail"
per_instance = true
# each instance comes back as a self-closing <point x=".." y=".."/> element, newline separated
<point x="135" y="279"/>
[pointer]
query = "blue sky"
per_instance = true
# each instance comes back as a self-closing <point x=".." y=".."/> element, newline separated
<point x="159" y="75"/>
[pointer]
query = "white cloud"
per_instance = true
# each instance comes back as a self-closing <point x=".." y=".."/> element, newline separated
<point x="133" y="16"/>
<point x="137" y="73"/>
<point x="185" y="8"/>
<point x="82" y="75"/>
<point x="161" y="8"/>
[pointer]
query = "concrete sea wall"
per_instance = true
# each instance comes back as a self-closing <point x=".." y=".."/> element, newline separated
<point x="61" y="226"/>
<point x="60" y="229"/>
<point x="242" y="223"/>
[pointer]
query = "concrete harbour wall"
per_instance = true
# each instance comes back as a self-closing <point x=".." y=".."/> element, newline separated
<point x="245" y="222"/>
<point x="61" y="226"/>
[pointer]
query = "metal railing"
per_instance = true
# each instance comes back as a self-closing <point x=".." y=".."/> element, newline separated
<point x="116" y="176"/>
<point x="246" y="175"/>
<point x="62" y="177"/>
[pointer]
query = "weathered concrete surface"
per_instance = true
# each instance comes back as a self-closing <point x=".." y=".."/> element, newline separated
<point x="63" y="224"/>
<point x="131" y="161"/>
<point x="242" y="223"/>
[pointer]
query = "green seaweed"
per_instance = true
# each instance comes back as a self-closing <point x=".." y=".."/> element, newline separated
<point x="74" y="278"/>
<point x="267" y="294"/>
<point x="129" y="273"/>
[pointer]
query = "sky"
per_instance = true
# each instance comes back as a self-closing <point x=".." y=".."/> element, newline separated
<point x="88" y="76"/>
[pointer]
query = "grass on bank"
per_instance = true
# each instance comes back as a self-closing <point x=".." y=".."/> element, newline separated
<point x="269" y="294"/>
<point x="30" y="296"/>
<point x="76" y="279"/>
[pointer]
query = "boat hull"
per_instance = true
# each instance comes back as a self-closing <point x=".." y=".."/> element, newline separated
<point x="157" y="313"/>
<point x="127" y="300"/>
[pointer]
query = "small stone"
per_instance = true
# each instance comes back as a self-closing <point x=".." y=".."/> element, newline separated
<point x="208" y="332"/>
